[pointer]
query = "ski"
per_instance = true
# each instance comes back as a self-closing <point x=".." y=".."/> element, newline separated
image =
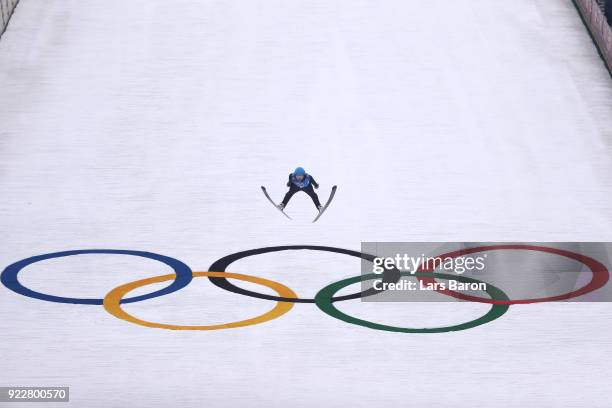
<point x="274" y="204"/>
<point x="331" y="196"/>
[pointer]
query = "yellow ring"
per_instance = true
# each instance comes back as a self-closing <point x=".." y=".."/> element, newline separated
<point x="112" y="301"/>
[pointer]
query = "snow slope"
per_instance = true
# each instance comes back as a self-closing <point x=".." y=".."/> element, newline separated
<point x="150" y="125"/>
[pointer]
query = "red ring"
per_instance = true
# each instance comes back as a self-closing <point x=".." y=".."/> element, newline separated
<point x="599" y="279"/>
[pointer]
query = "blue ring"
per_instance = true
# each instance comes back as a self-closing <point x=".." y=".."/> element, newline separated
<point x="9" y="275"/>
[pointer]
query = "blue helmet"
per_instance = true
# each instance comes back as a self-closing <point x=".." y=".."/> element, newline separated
<point x="299" y="171"/>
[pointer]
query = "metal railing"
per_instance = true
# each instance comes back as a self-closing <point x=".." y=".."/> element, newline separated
<point x="606" y="9"/>
<point x="6" y="11"/>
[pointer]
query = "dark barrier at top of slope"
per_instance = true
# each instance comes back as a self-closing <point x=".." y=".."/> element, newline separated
<point x="6" y="11"/>
<point x="596" y="16"/>
<point x="606" y="7"/>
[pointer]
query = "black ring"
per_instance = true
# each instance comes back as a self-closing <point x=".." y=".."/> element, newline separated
<point x="220" y="265"/>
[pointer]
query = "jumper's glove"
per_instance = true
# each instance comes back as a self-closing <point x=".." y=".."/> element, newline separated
<point x="288" y="183"/>
<point x="317" y="186"/>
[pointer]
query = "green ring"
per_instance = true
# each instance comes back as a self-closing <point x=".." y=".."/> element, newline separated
<point x="324" y="302"/>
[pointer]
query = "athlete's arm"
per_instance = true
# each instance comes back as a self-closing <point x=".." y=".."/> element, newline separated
<point x="314" y="183"/>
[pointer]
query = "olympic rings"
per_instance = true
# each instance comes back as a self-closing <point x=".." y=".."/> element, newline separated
<point x="325" y="302"/>
<point x="113" y="299"/>
<point x="9" y="275"/>
<point x="391" y="275"/>
<point x="324" y="299"/>
<point x="599" y="278"/>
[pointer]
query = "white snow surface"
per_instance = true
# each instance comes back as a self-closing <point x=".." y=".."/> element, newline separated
<point x="150" y="125"/>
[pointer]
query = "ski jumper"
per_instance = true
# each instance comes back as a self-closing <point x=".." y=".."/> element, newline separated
<point x="305" y="185"/>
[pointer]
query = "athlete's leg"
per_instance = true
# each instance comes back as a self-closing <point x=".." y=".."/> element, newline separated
<point x="290" y="193"/>
<point x="315" y="198"/>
